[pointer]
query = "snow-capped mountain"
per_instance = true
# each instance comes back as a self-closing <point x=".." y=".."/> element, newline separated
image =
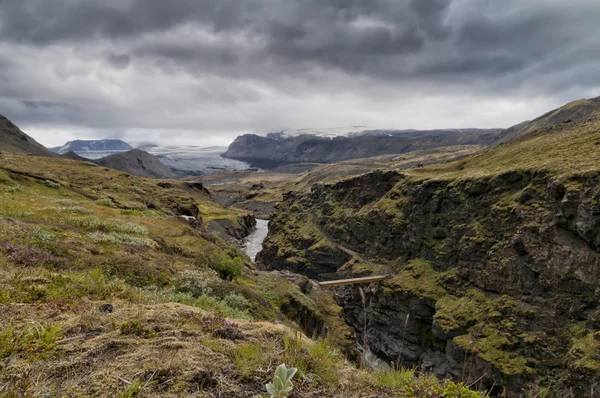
<point x="94" y="149"/>
<point x="328" y="132"/>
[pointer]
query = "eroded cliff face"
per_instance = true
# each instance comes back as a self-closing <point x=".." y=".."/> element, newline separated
<point x="492" y="279"/>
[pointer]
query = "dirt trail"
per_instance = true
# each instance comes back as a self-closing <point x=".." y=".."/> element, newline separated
<point x="383" y="268"/>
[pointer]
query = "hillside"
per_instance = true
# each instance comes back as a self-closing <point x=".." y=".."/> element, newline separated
<point x="83" y="146"/>
<point x="137" y="162"/>
<point x="572" y="113"/>
<point x="112" y="287"/>
<point x="276" y="150"/>
<point x="492" y="260"/>
<point x="73" y="156"/>
<point x="12" y="139"/>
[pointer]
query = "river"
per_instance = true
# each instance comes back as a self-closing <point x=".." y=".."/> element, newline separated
<point x="255" y="240"/>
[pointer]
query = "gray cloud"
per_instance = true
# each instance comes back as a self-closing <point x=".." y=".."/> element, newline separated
<point x="194" y="69"/>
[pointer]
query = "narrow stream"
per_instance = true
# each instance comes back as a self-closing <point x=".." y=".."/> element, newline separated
<point x="255" y="240"/>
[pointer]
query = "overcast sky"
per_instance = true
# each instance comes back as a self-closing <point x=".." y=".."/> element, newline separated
<point x="205" y="71"/>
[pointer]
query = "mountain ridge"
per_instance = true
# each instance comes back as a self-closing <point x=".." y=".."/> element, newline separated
<point x="81" y="146"/>
<point x="137" y="162"/>
<point x="13" y="139"/>
<point x="276" y="150"/>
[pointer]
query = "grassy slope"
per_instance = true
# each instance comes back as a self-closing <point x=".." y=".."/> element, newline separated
<point x="561" y="148"/>
<point x="74" y="237"/>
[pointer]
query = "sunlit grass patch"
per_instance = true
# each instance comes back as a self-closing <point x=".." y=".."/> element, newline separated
<point x="120" y="238"/>
<point x="107" y="225"/>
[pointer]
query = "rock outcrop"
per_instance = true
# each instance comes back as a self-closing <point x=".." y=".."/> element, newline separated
<point x="12" y="139"/>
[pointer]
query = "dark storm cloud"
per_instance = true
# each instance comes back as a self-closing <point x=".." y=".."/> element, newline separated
<point x="119" y="61"/>
<point x="177" y="64"/>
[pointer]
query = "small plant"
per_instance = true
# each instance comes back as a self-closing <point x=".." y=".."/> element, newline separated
<point x="14" y="189"/>
<point x="106" y="202"/>
<point x="52" y="184"/>
<point x="116" y="238"/>
<point x="227" y="267"/>
<point x="107" y="225"/>
<point x="67" y="202"/>
<point x="282" y="385"/>
<point x="237" y="301"/>
<point x="42" y="235"/>
<point x="195" y="283"/>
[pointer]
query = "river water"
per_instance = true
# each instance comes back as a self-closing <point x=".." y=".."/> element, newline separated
<point x="255" y="240"/>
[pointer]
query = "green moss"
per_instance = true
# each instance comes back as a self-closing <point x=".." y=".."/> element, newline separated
<point x="358" y="267"/>
<point x="418" y="278"/>
<point x="585" y="352"/>
<point x="495" y="347"/>
<point x="462" y="312"/>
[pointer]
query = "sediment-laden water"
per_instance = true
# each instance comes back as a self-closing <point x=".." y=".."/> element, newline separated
<point x="255" y="240"/>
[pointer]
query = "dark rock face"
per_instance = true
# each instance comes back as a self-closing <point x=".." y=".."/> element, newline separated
<point x="509" y="296"/>
<point x="12" y="139"/>
<point x="273" y="151"/>
<point x="229" y="230"/>
<point x="137" y="162"/>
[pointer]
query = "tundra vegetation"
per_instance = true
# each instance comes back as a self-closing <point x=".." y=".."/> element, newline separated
<point x="106" y="291"/>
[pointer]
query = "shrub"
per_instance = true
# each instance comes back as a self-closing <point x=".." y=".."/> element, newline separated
<point x="237" y="301"/>
<point x="67" y="202"/>
<point x="105" y="202"/>
<point x="42" y="235"/>
<point x="119" y="239"/>
<point x="282" y="385"/>
<point x="108" y="225"/>
<point x="227" y="267"/>
<point x="14" y="189"/>
<point x="29" y="256"/>
<point x="51" y="184"/>
<point x="195" y="283"/>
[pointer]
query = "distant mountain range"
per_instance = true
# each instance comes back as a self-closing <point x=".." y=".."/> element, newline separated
<point x="84" y="146"/>
<point x="327" y="146"/>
